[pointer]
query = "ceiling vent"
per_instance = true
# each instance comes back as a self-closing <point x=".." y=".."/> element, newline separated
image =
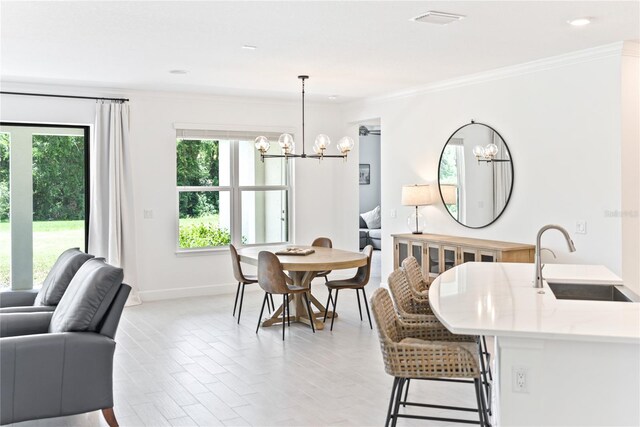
<point x="438" y="18"/>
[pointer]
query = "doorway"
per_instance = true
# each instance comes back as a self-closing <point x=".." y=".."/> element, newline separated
<point x="370" y="228"/>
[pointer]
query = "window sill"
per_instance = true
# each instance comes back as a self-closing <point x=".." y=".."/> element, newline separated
<point x="202" y="251"/>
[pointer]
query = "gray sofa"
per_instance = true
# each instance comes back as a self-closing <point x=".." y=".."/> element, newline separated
<point x="369" y="236"/>
<point x="60" y="362"/>
<point x="53" y="287"/>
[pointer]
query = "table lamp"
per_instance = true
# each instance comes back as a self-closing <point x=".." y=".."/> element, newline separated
<point x="416" y="195"/>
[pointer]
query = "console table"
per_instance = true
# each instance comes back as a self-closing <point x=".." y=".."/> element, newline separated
<point x="437" y="253"/>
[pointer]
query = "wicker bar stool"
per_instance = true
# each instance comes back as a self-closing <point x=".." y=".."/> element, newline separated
<point x="420" y="292"/>
<point x="323" y="242"/>
<point x="415" y="310"/>
<point x="424" y="351"/>
<point x="415" y="277"/>
<point x="273" y="280"/>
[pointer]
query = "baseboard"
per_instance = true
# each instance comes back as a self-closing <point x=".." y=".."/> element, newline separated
<point x="210" y="290"/>
<point x="186" y="292"/>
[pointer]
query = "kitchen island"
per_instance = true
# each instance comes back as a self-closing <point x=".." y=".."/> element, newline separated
<point x="558" y="362"/>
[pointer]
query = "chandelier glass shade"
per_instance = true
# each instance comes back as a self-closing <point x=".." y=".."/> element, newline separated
<point x="320" y="146"/>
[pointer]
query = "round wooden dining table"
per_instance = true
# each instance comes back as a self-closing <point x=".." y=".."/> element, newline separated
<point x="302" y="269"/>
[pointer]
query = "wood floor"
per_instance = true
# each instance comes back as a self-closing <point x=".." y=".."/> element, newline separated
<point x="186" y="362"/>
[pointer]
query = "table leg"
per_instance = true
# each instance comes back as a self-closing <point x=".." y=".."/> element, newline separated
<point x="302" y="279"/>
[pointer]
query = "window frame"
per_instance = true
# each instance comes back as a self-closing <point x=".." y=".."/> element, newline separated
<point x="235" y="194"/>
<point x="86" y="130"/>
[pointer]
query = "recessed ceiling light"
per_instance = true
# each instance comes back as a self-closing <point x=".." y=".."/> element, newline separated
<point x="178" y="71"/>
<point x="333" y="97"/>
<point x="438" y="18"/>
<point x="249" y="47"/>
<point x="579" y="22"/>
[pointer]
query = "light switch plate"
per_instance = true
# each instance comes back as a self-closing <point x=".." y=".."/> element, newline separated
<point x="148" y="214"/>
<point x="581" y="227"/>
<point x="393" y="213"/>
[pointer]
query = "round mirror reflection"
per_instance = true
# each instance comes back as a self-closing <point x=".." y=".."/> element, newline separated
<point x="475" y="175"/>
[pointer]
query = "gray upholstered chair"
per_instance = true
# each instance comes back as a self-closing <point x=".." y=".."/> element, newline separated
<point x="273" y="280"/>
<point x="61" y="363"/>
<point x="53" y="287"/>
<point x="357" y="282"/>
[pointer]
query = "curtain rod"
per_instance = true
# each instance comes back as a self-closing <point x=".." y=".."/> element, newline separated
<point x="64" y="96"/>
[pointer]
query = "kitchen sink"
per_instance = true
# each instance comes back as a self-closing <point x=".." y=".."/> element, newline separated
<point x="590" y="292"/>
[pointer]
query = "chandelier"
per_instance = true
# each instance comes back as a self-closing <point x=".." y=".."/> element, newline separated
<point x="320" y="146"/>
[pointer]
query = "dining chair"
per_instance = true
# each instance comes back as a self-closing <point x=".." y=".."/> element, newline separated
<point x="418" y="310"/>
<point x="243" y="280"/>
<point x="323" y="242"/>
<point x="426" y="352"/>
<point x="357" y="282"/>
<point x="273" y="280"/>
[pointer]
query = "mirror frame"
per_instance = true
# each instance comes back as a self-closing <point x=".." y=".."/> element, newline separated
<point x="513" y="176"/>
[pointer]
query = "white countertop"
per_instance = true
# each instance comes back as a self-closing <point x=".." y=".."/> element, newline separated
<point x="498" y="299"/>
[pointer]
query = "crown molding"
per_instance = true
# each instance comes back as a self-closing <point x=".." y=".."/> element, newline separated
<point x="143" y="94"/>
<point x="558" y="61"/>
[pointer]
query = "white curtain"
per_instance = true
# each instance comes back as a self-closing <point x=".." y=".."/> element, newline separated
<point x="111" y="226"/>
<point x="501" y="177"/>
<point x="462" y="196"/>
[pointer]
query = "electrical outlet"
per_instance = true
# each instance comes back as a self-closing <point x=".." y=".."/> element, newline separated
<point x="393" y="213"/>
<point x="519" y="375"/>
<point x="148" y="214"/>
<point x="581" y="227"/>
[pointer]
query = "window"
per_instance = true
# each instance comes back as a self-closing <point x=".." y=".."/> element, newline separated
<point x="43" y="198"/>
<point x="226" y="194"/>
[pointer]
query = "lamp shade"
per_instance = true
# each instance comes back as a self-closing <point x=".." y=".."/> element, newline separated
<point x="449" y="194"/>
<point x="416" y="195"/>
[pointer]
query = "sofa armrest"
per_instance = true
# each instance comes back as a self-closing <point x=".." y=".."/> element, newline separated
<point x="28" y="309"/>
<point x="16" y="324"/>
<point x="17" y="298"/>
<point x="51" y="375"/>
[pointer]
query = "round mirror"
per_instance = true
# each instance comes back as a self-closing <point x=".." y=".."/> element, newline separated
<point x="475" y="175"/>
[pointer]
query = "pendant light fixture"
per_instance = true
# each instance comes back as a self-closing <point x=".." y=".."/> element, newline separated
<point x="320" y="146"/>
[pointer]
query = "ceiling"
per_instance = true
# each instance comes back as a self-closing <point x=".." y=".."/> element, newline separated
<point x="350" y="49"/>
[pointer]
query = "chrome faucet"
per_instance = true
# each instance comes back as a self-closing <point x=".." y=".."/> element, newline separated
<point x="538" y="279"/>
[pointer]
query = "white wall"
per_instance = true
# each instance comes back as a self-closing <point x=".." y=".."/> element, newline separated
<point x="162" y="273"/>
<point x="631" y="166"/>
<point x="561" y="120"/>
<point x="369" y="153"/>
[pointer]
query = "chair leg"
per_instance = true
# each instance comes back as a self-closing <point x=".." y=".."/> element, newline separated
<point x="335" y="302"/>
<point x="478" y="387"/>
<point x="406" y="393"/>
<point x="359" y="306"/>
<point x="485" y="410"/>
<point x="273" y="306"/>
<point x="241" y="299"/>
<point x="235" y="304"/>
<point x="288" y="312"/>
<point x="366" y="305"/>
<point x="261" y="312"/>
<point x="488" y="357"/>
<point x="483" y="368"/>
<point x="311" y="319"/>
<point x="396" y="406"/>
<point x="284" y="313"/>
<point x="391" y="400"/>
<point x="268" y="304"/>
<point x="110" y="417"/>
<point x="326" y="307"/>
<point x="326" y="279"/>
